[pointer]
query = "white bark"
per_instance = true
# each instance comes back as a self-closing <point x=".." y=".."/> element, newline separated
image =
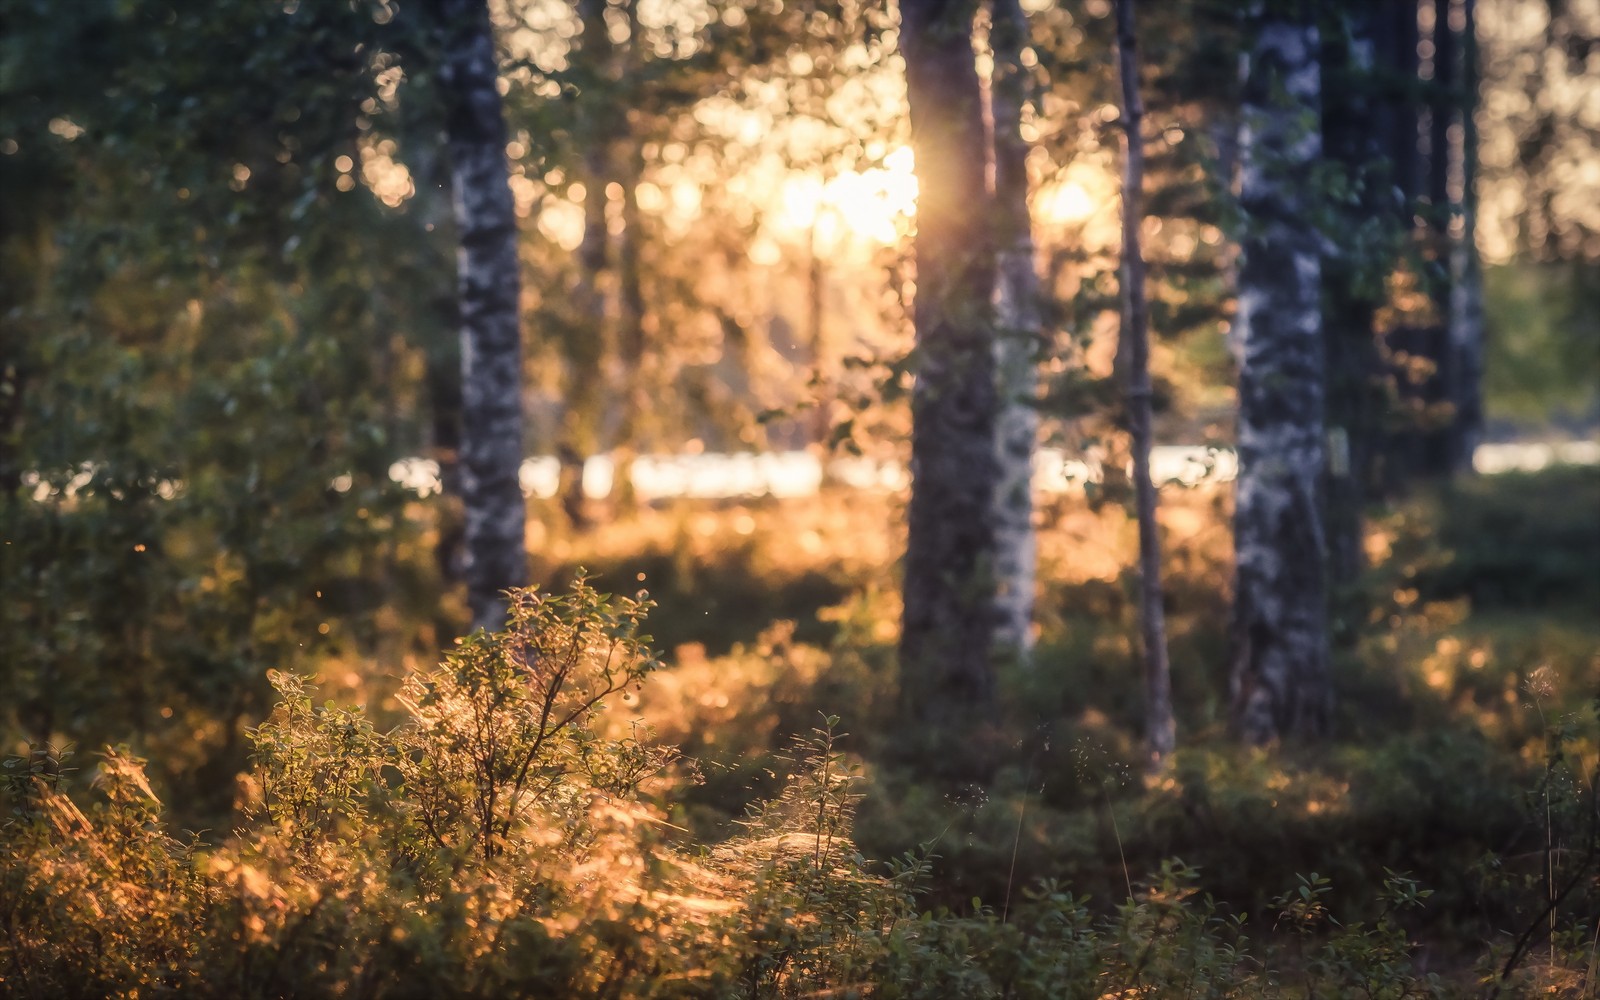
<point x="1016" y="301"/>
<point x="488" y="289"/>
<point x="1280" y="669"/>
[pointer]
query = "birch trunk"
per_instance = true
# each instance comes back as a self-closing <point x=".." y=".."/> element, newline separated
<point x="1159" y="730"/>
<point x="1280" y="683"/>
<point x="948" y="626"/>
<point x="491" y="343"/>
<point x="1016" y="301"/>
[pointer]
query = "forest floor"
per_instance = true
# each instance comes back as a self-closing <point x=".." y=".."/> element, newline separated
<point x="1468" y="674"/>
<point x="1447" y="826"/>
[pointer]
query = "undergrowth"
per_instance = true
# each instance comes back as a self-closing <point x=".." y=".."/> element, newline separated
<point x="511" y="837"/>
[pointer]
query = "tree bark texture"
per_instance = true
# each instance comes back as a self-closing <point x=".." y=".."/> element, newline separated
<point x="1016" y="303"/>
<point x="491" y="341"/>
<point x="1159" y="730"/>
<point x="1280" y="683"/>
<point x="948" y="629"/>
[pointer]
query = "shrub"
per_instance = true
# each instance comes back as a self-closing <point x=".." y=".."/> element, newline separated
<point x="501" y="841"/>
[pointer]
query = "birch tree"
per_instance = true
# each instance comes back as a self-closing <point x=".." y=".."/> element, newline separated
<point x="488" y="290"/>
<point x="948" y="626"/>
<point x="1159" y="730"/>
<point x="1016" y="344"/>
<point x="1280" y="682"/>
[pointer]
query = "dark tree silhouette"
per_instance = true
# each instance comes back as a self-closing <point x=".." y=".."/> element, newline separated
<point x="948" y="628"/>
<point x="1159" y="731"/>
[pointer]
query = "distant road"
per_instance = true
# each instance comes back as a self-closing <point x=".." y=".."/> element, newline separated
<point x="716" y="476"/>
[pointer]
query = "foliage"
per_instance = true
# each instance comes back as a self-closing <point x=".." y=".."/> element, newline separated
<point x="1518" y="540"/>
<point x="493" y="844"/>
<point x="226" y="310"/>
<point x="1542" y="366"/>
<point x="506" y="839"/>
<point x="198" y="308"/>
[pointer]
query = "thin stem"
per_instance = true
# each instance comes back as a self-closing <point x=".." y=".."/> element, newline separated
<point x="1160" y="735"/>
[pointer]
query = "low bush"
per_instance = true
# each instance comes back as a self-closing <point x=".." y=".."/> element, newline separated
<point x="509" y="839"/>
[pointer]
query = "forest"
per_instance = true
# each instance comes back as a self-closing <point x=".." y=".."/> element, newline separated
<point x="800" y="498"/>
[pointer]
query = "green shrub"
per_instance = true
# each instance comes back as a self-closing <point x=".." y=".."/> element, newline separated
<point x="1518" y="540"/>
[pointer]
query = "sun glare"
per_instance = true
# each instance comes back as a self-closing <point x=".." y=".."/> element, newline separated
<point x="865" y="206"/>
<point x="1066" y="203"/>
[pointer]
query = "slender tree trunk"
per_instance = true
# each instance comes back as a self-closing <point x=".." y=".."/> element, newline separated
<point x="816" y="336"/>
<point x="1438" y="438"/>
<point x="1160" y="733"/>
<point x="640" y="358"/>
<point x="948" y="628"/>
<point x="491" y="342"/>
<point x="586" y="352"/>
<point x="439" y="339"/>
<point x="1280" y="681"/>
<point x="635" y="338"/>
<point x="1403" y="140"/>
<point x="1016" y="301"/>
<point x="632" y="339"/>
<point x="1466" y="269"/>
<point x="1353" y="289"/>
<point x="1395" y="455"/>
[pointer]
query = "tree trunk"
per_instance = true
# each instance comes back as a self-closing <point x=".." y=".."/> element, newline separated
<point x="586" y="349"/>
<point x="1159" y="731"/>
<point x="947" y="637"/>
<point x="491" y="343"/>
<point x="1353" y="288"/>
<point x="1466" y="270"/>
<point x="640" y="358"/>
<point x="1016" y="301"/>
<point x="1280" y="683"/>
<point x="1438" y="439"/>
<point x="1397" y="452"/>
<point x="1401" y="38"/>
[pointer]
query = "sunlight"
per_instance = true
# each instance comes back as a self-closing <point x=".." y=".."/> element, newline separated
<point x="868" y="206"/>
<point x="1067" y="203"/>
